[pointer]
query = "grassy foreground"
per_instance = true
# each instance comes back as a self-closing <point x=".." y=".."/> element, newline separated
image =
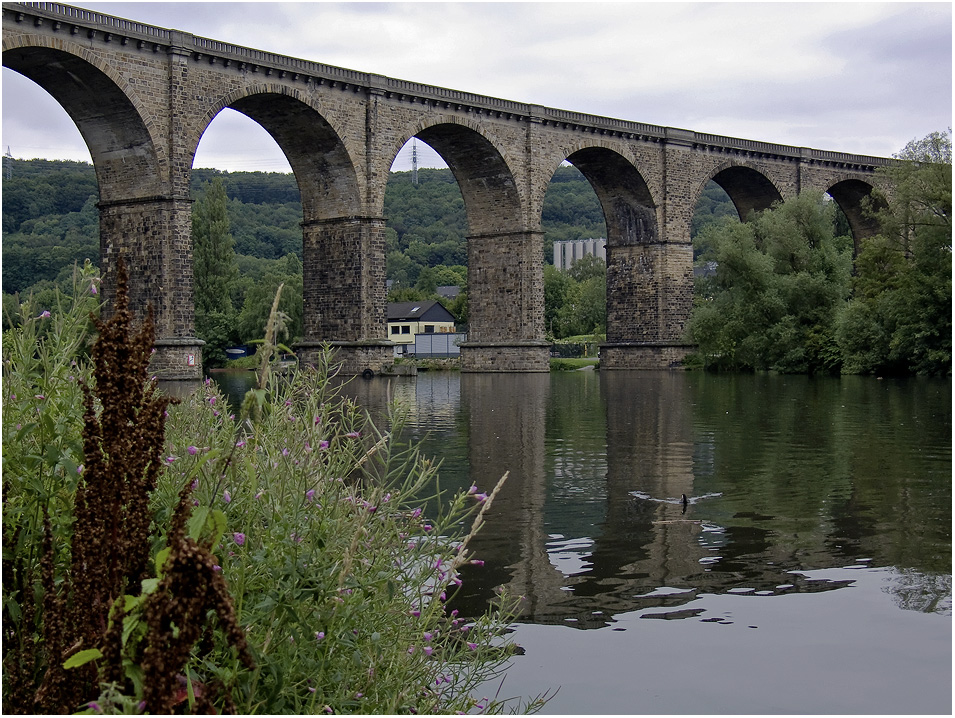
<point x="176" y="557"/>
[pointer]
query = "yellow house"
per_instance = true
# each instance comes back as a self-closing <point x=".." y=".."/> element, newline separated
<point x="406" y="319"/>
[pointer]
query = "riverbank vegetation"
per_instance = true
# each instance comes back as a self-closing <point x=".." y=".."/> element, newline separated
<point x="787" y="294"/>
<point x="169" y="555"/>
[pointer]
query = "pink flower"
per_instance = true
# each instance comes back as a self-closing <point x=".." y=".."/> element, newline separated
<point x="319" y="635"/>
<point x="323" y="445"/>
<point x="428" y="650"/>
<point x="45" y="314"/>
<point x="80" y="469"/>
<point x="318" y="420"/>
<point x="309" y="495"/>
<point x="192" y="450"/>
<point x="477" y="562"/>
<point x="92" y="289"/>
<point x="226" y="496"/>
<point x="472" y="646"/>
<point x="285" y="452"/>
<point x="239" y="444"/>
<point x="353" y="434"/>
<point x="481" y="498"/>
<point x="217" y="568"/>
<point x="212" y="400"/>
<point x="170" y="459"/>
<point x="239" y="538"/>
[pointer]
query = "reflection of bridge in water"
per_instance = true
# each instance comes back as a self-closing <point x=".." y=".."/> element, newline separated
<point x="632" y="547"/>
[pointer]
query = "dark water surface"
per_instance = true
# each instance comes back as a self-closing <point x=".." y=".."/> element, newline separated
<point x="810" y="571"/>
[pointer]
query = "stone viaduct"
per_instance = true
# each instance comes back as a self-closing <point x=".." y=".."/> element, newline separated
<point x="142" y="96"/>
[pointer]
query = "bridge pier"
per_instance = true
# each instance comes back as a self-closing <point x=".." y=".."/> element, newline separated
<point x="344" y="292"/>
<point x="506" y="304"/>
<point x="153" y="237"/>
<point x="649" y="302"/>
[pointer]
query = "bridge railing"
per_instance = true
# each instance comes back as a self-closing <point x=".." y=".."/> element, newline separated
<point x="79" y="14"/>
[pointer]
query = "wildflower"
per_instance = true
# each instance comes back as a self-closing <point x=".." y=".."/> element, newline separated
<point x="477" y="562"/>
<point x="93" y="288"/>
<point x="45" y="314"/>
<point x="472" y="646"/>
<point x="359" y="695"/>
<point x="427" y="527"/>
<point x="226" y="496"/>
<point x="480" y="498"/>
<point x="428" y="635"/>
<point x="472" y="490"/>
<point x="239" y="444"/>
<point x="258" y="495"/>
<point x="311" y="689"/>
<point x="319" y="635"/>
<point x="428" y="650"/>
<point x="212" y="400"/>
<point x="170" y="459"/>
<point x="194" y="485"/>
<point x="80" y="469"/>
<point x="410" y="649"/>
<point x="416" y="613"/>
<point x="322" y="445"/>
<point x="239" y="538"/>
<point x="353" y="434"/>
<point x="416" y="513"/>
<point x="217" y="568"/>
<point x="285" y="452"/>
<point x="318" y="420"/>
<point x="41" y="397"/>
<point x="192" y="450"/>
<point x="95" y="707"/>
<point x="309" y="495"/>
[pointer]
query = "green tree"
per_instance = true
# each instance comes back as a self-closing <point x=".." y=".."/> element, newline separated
<point x="780" y="280"/>
<point x="899" y="319"/>
<point x="215" y="271"/>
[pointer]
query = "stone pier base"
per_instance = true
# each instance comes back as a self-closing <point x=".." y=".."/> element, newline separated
<point x="643" y="355"/>
<point x="351" y="358"/>
<point x="505" y="356"/>
<point x="177" y="359"/>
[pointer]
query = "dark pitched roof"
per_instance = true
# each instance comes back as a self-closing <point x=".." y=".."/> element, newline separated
<point x="430" y="310"/>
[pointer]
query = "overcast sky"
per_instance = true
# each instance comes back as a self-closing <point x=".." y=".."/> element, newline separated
<point x="854" y="77"/>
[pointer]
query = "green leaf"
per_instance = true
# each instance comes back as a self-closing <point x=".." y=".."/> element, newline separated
<point x="161" y="560"/>
<point x="82" y="658"/>
<point x="197" y="522"/>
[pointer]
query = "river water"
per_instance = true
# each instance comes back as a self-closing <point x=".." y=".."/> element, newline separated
<point x="808" y="572"/>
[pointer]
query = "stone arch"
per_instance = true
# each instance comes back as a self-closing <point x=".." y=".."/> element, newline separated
<point x="857" y="199"/>
<point x="630" y="211"/>
<point x="343" y="259"/>
<point x="492" y="197"/>
<point x="323" y="167"/>
<point x="109" y="115"/>
<point x="749" y="189"/>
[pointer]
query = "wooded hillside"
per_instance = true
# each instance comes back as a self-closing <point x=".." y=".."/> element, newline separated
<point x="50" y="218"/>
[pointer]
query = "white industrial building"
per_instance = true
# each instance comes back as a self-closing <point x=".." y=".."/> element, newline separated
<point x="566" y="253"/>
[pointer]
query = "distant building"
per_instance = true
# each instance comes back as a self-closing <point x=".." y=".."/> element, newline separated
<point x="448" y="291"/>
<point x="566" y="253"/>
<point x="408" y="319"/>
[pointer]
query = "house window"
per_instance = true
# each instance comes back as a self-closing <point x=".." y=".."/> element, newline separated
<point x="395" y="330"/>
<point x="406" y="330"/>
<point x="429" y="328"/>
